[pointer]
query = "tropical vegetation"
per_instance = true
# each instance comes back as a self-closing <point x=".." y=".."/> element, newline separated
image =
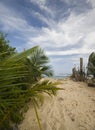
<point x="5" y="49"/>
<point x="20" y="75"/>
<point x="91" y="65"/>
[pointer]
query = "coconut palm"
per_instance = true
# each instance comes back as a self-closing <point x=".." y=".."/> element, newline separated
<point x="38" y="61"/>
<point x="19" y="83"/>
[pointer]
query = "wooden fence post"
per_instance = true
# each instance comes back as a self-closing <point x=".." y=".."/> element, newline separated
<point x="81" y="70"/>
<point x="81" y="65"/>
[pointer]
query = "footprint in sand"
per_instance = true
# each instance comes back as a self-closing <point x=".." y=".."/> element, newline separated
<point x="82" y="128"/>
<point x="72" y="117"/>
<point x="60" y="99"/>
<point x="93" y="99"/>
<point x="74" y="103"/>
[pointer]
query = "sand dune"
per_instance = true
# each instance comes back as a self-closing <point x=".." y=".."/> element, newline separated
<point x="72" y="109"/>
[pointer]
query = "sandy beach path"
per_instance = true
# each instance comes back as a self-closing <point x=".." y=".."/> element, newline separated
<point x="72" y="109"/>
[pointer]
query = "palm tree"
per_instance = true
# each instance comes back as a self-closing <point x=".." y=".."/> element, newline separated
<point x="19" y="84"/>
<point x="38" y="64"/>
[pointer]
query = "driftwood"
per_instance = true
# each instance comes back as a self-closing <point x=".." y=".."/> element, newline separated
<point x="91" y="82"/>
<point x="79" y="75"/>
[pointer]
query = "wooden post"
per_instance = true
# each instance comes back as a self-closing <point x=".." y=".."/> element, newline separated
<point x="81" y="65"/>
<point x="81" y="69"/>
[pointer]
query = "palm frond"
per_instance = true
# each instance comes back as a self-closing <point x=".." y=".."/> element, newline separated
<point x="19" y="83"/>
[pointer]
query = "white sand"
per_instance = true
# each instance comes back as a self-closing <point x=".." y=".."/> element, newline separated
<point x="72" y="109"/>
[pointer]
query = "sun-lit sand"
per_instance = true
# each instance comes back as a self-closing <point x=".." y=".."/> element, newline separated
<point x="72" y="109"/>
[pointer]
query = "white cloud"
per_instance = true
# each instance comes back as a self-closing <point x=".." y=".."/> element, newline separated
<point x="89" y="40"/>
<point x="93" y="3"/>
<point x="73" y="31"/>
<point x="11" y="21"/>
<point x="39" y="1"/>
<point x="75" y="2"/>
<point x="47" y="20"/>
<point x="42" y="5"/>
<point x="76" y="29"/>
<point x="70" y="52"/>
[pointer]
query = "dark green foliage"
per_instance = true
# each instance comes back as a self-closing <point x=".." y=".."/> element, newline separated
<point x="19" y="84"/>
<point x="5" y="49"/>
<point x="91" y="64"/>
<point x="38" y="65"/>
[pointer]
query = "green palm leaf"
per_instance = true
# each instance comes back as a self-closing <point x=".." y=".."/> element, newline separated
<point x="19" y="83"/>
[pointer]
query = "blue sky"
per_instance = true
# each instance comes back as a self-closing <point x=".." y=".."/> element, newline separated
<point x="65" y="29"/>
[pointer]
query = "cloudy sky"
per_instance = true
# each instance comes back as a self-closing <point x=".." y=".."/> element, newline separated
<point x="65" y="29"/>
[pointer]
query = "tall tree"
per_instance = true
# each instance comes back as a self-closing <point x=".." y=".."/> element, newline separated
<point x="5" y="49"/>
